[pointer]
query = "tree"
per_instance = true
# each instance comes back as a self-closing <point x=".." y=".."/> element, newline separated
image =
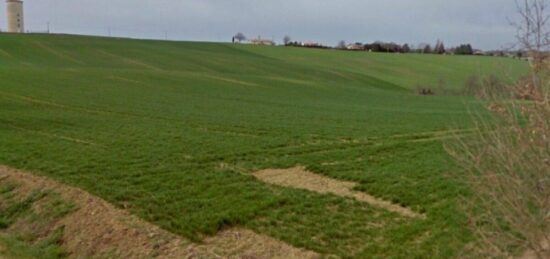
<point x="239" y="37"/>
<point x="287" y="40"/>
<point x="341" y="44"/>
<point x="439" y="47"/>
<point x="427" y="49"/>
<point x="379" y="46"/>
<point x="464" y="49"/>
<point x="390" y="47"/>
<point x="420" y="48"/>
<point x="519" y="54"/>
<point x="469" y="49"/>
<point x="405" y="48"/>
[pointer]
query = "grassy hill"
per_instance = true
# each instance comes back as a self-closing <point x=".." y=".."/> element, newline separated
<point x="172" y="130"/>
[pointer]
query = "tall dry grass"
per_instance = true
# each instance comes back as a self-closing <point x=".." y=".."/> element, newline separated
<point x="507" y="160"/>
<point x="507" y="165"/>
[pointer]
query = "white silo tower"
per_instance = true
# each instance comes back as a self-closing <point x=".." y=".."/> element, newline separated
<point x="15" y="16"/>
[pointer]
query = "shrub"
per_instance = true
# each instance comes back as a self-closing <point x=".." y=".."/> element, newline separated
<point x="421" y="90"/>
<point x="486" y="87"/>
<point x="507" y="165"/>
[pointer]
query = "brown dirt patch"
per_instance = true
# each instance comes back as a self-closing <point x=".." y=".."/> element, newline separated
<point x="244" y="243"/>
<point x="300" y="178"/>
<point x="96" y="228"/>
<point x="532" y="254"/>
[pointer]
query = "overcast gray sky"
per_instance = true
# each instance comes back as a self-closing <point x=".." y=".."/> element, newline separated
<point x="484" y="23"/>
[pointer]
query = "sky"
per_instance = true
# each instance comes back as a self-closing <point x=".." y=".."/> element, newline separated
<point x="483" y="23"/>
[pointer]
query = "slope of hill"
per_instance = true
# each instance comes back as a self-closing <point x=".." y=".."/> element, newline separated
<point x="173" y="132"/>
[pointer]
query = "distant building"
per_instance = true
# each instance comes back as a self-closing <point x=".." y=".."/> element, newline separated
<point x="14" y="10"/>
<point x="260" y="41"/>
<point x="479" y="52"/>
<point x="355" y="46"/>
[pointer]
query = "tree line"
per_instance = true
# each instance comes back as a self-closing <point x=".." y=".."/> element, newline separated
<point x="379" y="46"/>
<point x="391" y="47"/>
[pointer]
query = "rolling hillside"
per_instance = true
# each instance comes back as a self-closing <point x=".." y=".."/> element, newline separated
<point x="173" y="132"/>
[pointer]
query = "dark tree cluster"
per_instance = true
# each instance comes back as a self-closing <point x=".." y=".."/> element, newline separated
<point x="439" y="48"/>
<point x="406" y="48"/>
<point x="239" y="37"/>
<point x="464" y="49"/>
<point x="388" y="47"/>
<point x="427" y="49"/>
<point x="305" y="45"/>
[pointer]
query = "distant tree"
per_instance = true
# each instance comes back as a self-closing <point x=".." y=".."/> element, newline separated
<point x="439" y="47"/>
<point x="368" y="47"/>
<point x="469" y="49"/>
<point x="287" y="40"/>
<point x="240" y="37"/>
<point x="395" y="48"/>
<point x="390" y="47"/>
<point x="405" y="48"/>
<point x="377" y="47"/>
<point x="341" y="44"/>
<point x="427" y="49"/>
<point x="420" y="48"/>
<point x="519" y="54"/>
<point x="464" y="49"/>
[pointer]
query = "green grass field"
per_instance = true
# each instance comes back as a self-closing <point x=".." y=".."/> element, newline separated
<point x="172" y="130"/>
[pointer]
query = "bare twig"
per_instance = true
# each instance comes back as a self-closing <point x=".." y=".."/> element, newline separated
<point x="508" y="161"/>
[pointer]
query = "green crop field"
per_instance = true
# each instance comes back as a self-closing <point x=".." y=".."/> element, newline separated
<point x="172" y="131"/>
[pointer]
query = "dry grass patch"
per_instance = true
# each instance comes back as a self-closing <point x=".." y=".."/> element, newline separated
<point x="243" y="243"/>
<point x="98" y="229"/>
<point x="300" y="178"/>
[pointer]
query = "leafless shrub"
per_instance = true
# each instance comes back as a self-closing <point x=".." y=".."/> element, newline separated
<point x="485" y="87"/>
<point x="507" y="160"/>
<point x="508" y="169"/>
<point x="423" y="90"/>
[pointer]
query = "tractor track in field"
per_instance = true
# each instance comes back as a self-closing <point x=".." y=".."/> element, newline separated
<point x="124" y="114"/>
<point x="329" y="146"/>
<point x="96" y="228"/>
<point x="229" y="80"/>
<point x="52" y="135"/>
<point x="407" y="138"/>
<point x="57" y="53"/>
<point x="83" y="109"/>
<point x="5" y="53"/>
<point x="426" y="136"/>
<point x="124" y="79"/>
<point x="131" y="61"/>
